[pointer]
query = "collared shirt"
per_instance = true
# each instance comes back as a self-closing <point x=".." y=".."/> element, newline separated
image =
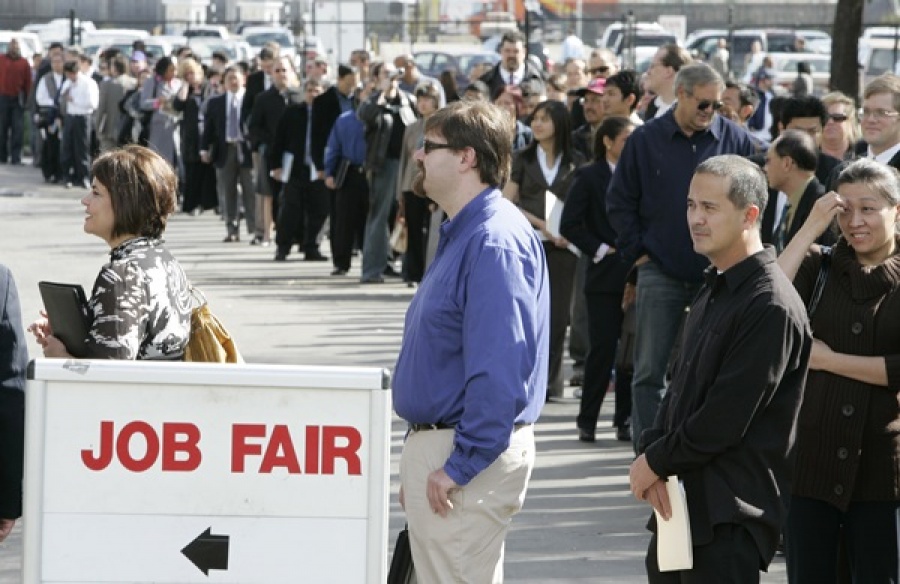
<point x="729" y="414"/>
<point x="476" y="337"/>
<point x="515" y="78"/>
<point x="83" y="96"/>
<point x="886" y="156"/>
<point x="647" y="199"/>
<point x="43" y="96"/>
<point x="345" y="101"/>
<point x="549" y="171"/>
<point x="347" y="140"/>
<point x="794" y="200"/>
<point x="662" y="106"/>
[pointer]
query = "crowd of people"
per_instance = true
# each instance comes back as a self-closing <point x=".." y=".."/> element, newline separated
<point x="742" y="245"/>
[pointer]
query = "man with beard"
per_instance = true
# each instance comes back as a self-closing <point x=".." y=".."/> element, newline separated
<point x="513" y="67"/>
<point x="471" y="376"/>
<point x="15" y="87"/>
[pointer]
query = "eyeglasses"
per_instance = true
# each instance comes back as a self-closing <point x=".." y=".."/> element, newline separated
<point x="705" y="104"/>
<point x="839" y="118"/>
<point x="428" y="146"/>
<point x="878" y="114"/>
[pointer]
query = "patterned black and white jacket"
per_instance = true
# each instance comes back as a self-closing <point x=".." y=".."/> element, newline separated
<point x="140" y="307"/>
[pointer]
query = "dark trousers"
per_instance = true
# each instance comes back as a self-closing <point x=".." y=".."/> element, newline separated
<point x="605" y="316"/>
<point x="418" y="216"/>
<point x="228" y="177"/>
<point x="348" y="221"/>
<point x="50" y="153"/>
<point x="76" y="148"/>
<point x="814" y="533"/>
<point x="199" y="186"/>
<point x="561" y="268"/>
<point x="12" y="129"/>
<point x="731" y="558"/>
<point x="301" y="214"/>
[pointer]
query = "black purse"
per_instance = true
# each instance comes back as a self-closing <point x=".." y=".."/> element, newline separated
<point x="402" y="568"/>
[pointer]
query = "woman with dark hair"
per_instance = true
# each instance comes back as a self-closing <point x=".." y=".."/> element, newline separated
<point x="448" y="82"/>
<point x="413" y="208"/>
<point x="140" y="307"/>
<point x="846" y="486"/>
<point x="547" y="165"/>
<point x="157" y="99"/>
<point x="584" y="223"/>
<point x="509" y="97"/>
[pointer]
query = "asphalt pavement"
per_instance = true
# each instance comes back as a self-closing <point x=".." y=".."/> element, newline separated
<point x="579" y="524"/>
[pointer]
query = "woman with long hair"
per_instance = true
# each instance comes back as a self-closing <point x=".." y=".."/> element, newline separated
<point x="584" y="223"/>
<point x="841" y="131"/>
<point x="846" y="486"/>
<point x="547" y="165"/>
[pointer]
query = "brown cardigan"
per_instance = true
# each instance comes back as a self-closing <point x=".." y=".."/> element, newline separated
<point x="848" y="433"/>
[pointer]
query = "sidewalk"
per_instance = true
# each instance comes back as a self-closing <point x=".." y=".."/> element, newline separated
<point x="580" y="522"/>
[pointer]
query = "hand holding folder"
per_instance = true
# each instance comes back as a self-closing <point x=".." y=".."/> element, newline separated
<point x="66" y="307"/>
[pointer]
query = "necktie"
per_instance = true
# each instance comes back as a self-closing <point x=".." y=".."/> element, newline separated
<point x="233" y="130"/>
<point x="781" y="230"/>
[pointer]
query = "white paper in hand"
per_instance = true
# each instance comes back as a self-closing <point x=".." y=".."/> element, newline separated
<point x="673" y="537"/>
<point x="553" y="209"/>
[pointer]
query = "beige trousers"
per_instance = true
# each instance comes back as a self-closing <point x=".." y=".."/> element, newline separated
<point x="467" y="545"/>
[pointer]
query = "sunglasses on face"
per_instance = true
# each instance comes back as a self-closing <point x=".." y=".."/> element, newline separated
<point x="839" y="118"/>
<point x="600" y="69"/>
<point x="428" y="146"/>
<point x="705" y="104"/>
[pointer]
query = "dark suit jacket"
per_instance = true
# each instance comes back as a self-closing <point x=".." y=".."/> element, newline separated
<point x="267" y="111"/>
<point x="494" y="79"/>
<point x="291" y="137"/>
<point x="256" y="84"/>
<point x="582" y="141"/>
<point x="13" y="361"/>
<point x="813" y="191"/>
<point x="214" y="132"/>
<point x="825" y="165"/>
<point x="861" y="150"/>
<point x="585" y="224"/>
<point x="327" y="108"/>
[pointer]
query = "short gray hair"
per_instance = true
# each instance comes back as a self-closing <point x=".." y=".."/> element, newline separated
<point x="690" y="76"/>
<point x="880" y="178"/>
<point x="747" y="182"/>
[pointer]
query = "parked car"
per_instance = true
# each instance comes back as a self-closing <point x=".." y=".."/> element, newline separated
<point x="616" y="30"/>
<point x="7" y="35"/>
<point x="207" y="31"/>
<point x="642" y="38"/>
<point x="433" y="63"/>
<point x="235" y="50"/>
<point x="257" y="36"/>
<point x="108" y="35"/>
<point x="879" y="56"/>
<point x="701" y="43"/>
<point x="785" y="66"/>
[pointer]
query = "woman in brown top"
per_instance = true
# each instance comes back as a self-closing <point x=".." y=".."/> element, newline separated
<point x="548" y="164"/>
<point x="847" y="473"/>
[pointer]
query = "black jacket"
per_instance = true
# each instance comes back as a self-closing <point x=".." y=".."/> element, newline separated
<point x="378" y="118"/>
<point x="291" y="137"/>
<point x="494" y="79"/>
<point x="214" y="132"/>
<point x="268" y="108"/>
<point x="13" y="361"/>
<point x="327" y="108"/>
<point x="585" y="224"/>
<point x="189" y="126"/>
<point x="256" y="84"/>
<point x="813" y="191"/>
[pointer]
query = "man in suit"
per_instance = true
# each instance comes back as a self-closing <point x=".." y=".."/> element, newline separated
<point x="726" y="427"/>
<point x="260" y="80"/>
<point x="13" y="361"/>
<point x="303" y="209"/>
<point x="794" y="188"/>
<point x="880" y="119"/>
<point x="513" y="67"/>
<point x="268" y="108"/>
<point x="257" y="83"/>
<point x="224" y="145"/>
<point x="106" y="118"/>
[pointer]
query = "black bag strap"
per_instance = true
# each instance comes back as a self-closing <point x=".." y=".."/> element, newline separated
<point x="824" y="267"/>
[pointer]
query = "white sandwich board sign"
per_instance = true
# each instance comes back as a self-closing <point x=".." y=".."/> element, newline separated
<point x="180" y="472"/>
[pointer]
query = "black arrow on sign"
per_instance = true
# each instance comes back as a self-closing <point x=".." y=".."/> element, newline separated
<point x="208" y="552"/>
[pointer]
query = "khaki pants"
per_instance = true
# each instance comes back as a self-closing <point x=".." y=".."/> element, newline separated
<point x="467" y="545"/>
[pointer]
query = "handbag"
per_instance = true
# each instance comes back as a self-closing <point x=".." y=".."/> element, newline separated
<point x="402" y="568"/>
<point x="399" y="236"/>
<point x="209" y="342"/>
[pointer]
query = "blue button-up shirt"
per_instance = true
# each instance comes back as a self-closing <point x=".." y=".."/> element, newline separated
<point x="476" y="341"/>
<point x="346" y="140"/>
<point x="647" y="198"/>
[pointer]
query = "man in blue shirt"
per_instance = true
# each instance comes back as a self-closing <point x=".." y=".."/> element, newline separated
<point x="647" y="203"/>
<point x="471" y="377"/>
<point x="345" y="159"/>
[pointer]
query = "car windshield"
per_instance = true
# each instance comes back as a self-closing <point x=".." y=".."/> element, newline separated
<point x="258" y="39"/>
<point x="881" y="61"/>
<point x="466" y="62"/>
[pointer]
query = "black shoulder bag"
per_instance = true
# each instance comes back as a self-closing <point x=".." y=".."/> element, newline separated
<point x="824" y="268"/>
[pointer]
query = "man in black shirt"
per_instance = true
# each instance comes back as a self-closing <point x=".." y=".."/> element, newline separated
<point x="726" y="425"/>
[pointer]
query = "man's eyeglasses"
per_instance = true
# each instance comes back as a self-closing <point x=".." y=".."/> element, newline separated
<point x="878" y="114"/>
<point x="428" y="146"/>
<point x="705" y="104"/>
<point x="839" y="118"/>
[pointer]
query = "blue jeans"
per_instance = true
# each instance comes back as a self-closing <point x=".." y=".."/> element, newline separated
<point x="660" y="305"/>
<point x="376" y="244"/>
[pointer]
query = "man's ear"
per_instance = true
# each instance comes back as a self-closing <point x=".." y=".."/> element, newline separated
<point x="751" y="215"/>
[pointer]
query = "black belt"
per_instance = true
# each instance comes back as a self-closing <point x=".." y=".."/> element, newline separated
<point x="357" y="168"/>
<point x="443" y="426"/>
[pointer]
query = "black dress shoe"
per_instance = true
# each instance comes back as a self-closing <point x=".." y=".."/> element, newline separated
<point x="390" y="272"/>
<point x="281" y="256"/>
<point x="315" y="257"/>
<point x="623" y="434"/>
<point x="232" y="238"/>
<point x="257" y="240"/>
<point x="586" y="436"/>
<point x="339" y="272"/>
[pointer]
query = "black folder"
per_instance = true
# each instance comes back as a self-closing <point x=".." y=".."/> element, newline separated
<point x="66" y="307"/>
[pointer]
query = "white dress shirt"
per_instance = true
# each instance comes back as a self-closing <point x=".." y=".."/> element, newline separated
<point x="83" y="96"/>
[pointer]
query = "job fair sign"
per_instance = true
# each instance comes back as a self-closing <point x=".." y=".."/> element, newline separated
<point x="178" y="472"/>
